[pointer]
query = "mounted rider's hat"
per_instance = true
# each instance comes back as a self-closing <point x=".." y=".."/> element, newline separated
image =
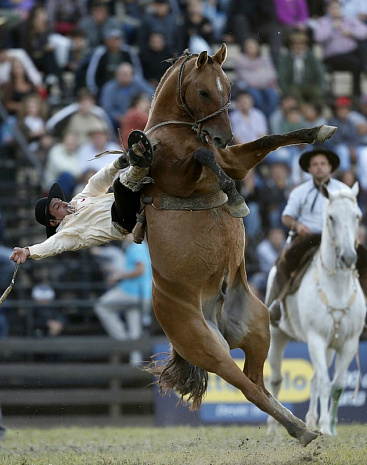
<point x="42" y="212"/>
<point x="304" y="161"/>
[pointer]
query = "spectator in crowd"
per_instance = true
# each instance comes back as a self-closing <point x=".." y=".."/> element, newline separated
<point x="99" y="141"/>
<point x="248" y="123"/>
<point x="250" y="189"/>
<point x="48" y="321"/>
<point x="78" y="58"/>
<point x="36" y="40"/>
<point x="358" y="116"/>
<point x="346" y="139"/>
<point x="16" y="88"/>
<point x="267" y="252"/>
<point x="154" y="58"/>
<point x="64" y="15"/>
<point x="315" y="9"/>
<point x="291" y="15"/>
<point x="354" y="9"/>
<point x="136" y="116"/>
<point x="106" y="59"/>
<point x="32" y="117"/>
<point x="253" y="18"/>
<point x="293" y="120"/>
<point x="79" y="117"/>
<point x="130" y="12"/>
<point x="132" y="296"/>
<point x="161" y="19"/>
<point x="312" y="113"/>
<point x="7" y="58"/>
<point x="83" y="179"/>
<point x="6" y="272"/>
<point x="255" y="71"/>
<point x="62" y="165"/>
<point x="301" y="73"/>
<point x="97" y="23"/>
<point x="117" y="93"/>
<point x="274" y="194"/>
<point x="277" y="118"/>
<point x="341" y="38"/>
<point x="197" y="28"/>
<point x="216" y="12"/>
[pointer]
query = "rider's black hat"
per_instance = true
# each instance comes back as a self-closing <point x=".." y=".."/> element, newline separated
<point x="42" y="212"/>
<point x="304" y="161"/>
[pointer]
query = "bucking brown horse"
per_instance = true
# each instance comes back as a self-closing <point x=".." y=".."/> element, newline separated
<point x="196" y="237"/>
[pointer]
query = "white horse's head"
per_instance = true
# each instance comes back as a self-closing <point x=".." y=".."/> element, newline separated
<point x="342" y="219"/>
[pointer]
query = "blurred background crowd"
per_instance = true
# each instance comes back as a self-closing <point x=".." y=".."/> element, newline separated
<point x="73" y="72"/>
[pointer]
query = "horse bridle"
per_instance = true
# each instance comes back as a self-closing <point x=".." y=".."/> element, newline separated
<point x="196" y="126"/>
<point x="333" y="272"/>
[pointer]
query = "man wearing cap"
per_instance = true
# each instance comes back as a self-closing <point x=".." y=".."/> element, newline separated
<point x="303" y="215"/>
<point x="94" y="216"/>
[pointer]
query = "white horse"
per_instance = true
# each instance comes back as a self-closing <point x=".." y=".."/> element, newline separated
<point x="327" y="312"/>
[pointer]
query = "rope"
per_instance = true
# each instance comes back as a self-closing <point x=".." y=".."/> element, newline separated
<point x="10" y="287"/>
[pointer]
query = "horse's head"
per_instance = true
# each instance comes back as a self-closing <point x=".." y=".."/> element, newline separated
<point x="206" y="95"/>
<point x="341" y="221"/>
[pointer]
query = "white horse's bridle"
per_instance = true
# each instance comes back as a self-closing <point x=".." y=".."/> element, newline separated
<point x="332" y="242"/>
<point x="343" y="310"/>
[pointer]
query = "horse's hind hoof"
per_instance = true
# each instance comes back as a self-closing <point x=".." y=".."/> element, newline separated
<point x="325" y="132"/>
<point x="307" y="436"/>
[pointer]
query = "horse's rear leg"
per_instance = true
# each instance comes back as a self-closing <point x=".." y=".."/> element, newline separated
<point x="236" y="203"/>
<point x="197" y="344"/>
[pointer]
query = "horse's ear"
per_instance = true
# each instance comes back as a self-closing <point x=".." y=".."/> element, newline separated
<point x="221" y="54"/>
<point x="324" y="191"/>
<point x="202" y="59"/>
<point x="355" y="188"/>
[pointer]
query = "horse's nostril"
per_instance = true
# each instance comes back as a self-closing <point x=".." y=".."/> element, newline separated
<point x="218" y="142"/>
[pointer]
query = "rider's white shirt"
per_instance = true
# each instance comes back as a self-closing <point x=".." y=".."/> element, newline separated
<point x="306" y="204"/>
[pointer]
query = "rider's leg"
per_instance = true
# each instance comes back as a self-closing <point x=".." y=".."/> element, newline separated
<point x="362" y="267"/>
<point x="287" y="263"/>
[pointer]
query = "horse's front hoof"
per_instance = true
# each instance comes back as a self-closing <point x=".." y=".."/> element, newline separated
<point x="239" y="210"/>
<point x="325" y="132"/>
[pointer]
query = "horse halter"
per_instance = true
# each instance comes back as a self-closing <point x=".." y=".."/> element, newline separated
<point x="333" y="243"/>
<point x="196" y="127"/>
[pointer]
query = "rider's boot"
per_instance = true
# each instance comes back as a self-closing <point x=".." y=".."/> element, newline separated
<point x="140" y="157"/>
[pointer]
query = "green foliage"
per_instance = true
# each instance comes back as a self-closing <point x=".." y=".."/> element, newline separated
<point x="224" y="445"/>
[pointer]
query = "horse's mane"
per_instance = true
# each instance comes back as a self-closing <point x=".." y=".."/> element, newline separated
<point x="173" y="61"/>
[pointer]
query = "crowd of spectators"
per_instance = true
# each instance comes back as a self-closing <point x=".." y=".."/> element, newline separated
<point x="74" y="72"/>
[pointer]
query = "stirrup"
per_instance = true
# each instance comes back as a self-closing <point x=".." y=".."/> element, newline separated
<point x="140" y="149"/>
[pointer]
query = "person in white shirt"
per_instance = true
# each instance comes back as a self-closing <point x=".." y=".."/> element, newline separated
<point x="303" y="215"/>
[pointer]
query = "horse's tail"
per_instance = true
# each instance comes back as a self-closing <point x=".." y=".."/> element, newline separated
<point x="176" y="374"/>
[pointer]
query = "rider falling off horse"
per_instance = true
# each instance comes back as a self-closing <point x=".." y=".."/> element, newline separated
<point x="94" y="216"/>
<point x="303" y="216"/>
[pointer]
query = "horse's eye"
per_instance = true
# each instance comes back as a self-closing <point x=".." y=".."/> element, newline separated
<point x="331" y="218"/>
<point x="204" y="93"/>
